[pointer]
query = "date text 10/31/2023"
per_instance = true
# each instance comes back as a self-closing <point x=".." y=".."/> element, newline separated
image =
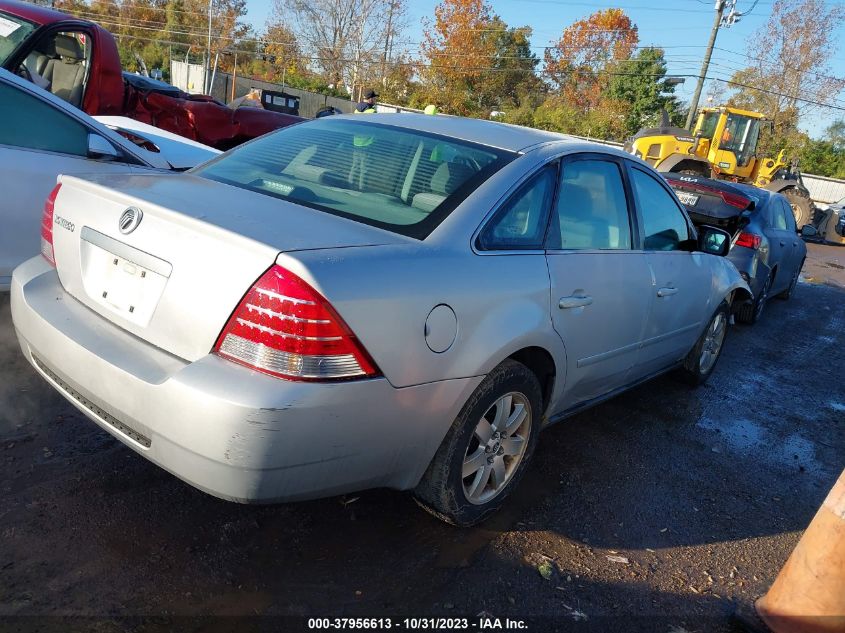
<point x="487" y="623"/>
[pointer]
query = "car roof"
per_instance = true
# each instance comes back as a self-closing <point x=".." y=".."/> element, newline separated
<point x="150" y="159"/>
<point x="491" y="133"/>
<point x="33" y="12"/>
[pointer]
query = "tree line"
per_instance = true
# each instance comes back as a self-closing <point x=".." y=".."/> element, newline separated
<point x="595" y="79"/>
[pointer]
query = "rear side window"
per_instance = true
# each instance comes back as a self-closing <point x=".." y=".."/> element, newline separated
<point x="664" y="224"/>
<point x="520" y="224"/>
<point x="402" y="180"/>
<point x="591" y="210"/>
<point x="31" y="123"/>
<point x="779" y="214"/>
<point x="788" y="216"/>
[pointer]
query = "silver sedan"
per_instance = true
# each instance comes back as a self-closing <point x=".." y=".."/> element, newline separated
<point x="353" y="302"/>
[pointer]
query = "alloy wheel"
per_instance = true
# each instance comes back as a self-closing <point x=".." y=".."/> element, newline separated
<point x="496" y="448"/>
<point x="764" y="296"/>
<point x="712" y="343"/>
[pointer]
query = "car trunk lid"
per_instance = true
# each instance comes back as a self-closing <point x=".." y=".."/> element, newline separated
<point x="711" y="204"/>
<point x="168" y="257"/>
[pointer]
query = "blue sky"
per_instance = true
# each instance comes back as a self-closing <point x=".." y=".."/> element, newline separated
<point x="681" y="27"/>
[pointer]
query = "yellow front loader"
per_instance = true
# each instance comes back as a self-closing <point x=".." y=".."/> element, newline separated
<point x="724" y="145"/>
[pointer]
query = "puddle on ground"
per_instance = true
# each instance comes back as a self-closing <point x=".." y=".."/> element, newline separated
<point x="745" y="436"/>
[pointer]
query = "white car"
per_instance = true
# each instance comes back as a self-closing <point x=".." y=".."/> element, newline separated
<point x="42" y="136"/>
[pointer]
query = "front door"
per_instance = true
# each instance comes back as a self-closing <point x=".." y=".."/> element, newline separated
<point x="599" y="283"/>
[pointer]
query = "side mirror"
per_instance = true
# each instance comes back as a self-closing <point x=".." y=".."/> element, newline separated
<point x="713" y="240"/>
<point x="99" y="147"/>
<point x="808" y="230"/>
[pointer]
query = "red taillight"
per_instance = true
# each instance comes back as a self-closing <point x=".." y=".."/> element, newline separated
<point x="47" y="226"/>
<point x="749" y="240"/>
<point x="285" y="328"/>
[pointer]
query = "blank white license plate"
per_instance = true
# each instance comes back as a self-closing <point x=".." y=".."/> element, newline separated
<point x="123" y="284"/>
<point x="120" y="284"/>
<point x="687" y="198"/>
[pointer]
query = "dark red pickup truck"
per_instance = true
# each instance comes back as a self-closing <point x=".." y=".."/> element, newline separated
<point x="78" y="61"/>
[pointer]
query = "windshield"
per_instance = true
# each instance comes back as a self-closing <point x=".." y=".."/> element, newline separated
<point x="398" y="179"/>
<point x="740" y="137"/>
<point x="13" y="31"/>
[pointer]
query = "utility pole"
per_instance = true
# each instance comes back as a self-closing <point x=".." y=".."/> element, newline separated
<point x="206" y="87"/>
<point x="693" y="106"/>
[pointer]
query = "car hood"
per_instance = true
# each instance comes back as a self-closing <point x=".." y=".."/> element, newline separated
<point x="180" y="152"/>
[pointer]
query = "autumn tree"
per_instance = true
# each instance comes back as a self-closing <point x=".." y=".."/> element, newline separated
<point x="457" y="52"/>
<point x="280" y="50"/>
<point x="347" y="40"/>
<point x="790" y="65"/>
<point x="576" y="65"/>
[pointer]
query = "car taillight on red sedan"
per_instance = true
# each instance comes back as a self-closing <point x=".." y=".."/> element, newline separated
<point x="47" y="226"/>
<point x="285" y="328"/>
<point x="749" y="240"/>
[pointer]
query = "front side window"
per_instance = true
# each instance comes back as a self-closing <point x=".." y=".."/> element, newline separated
<point x="402" y="180"/>
<point x="664" y="224"/>
<point x="591" y="210"/>
<point x="31" y="123"/>
<point x="13" y="32"/>
<point x="520" y="223"/>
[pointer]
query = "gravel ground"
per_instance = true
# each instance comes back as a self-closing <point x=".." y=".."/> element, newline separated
<point x="661" y="510"/>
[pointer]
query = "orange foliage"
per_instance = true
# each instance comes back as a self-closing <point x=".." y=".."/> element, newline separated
<point x="458" y="53"/>
<point x="587" y="49"/>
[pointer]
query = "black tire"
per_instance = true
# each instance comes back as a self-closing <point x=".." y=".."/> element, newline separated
<point x="442" y="489"/>
<point x="787" y="294"/>
<point x="749" y="313"/>
<point x="693" y="371"/>
<point x="802" y="207"/>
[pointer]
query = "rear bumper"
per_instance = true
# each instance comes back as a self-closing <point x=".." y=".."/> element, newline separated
<point x="234" y="433"/>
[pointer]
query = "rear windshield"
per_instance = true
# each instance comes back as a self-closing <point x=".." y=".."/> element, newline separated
<point x="13" y="31"/>
<point x="387" y="176"/>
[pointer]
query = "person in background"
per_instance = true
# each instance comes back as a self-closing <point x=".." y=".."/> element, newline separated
<point x="368" y="104"/>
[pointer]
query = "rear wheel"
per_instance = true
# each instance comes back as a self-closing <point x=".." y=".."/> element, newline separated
<point x="750" y="312"/>
<point x="487" y="449"/>
<point x="787" y="294"/>
<point x="802" y="206"/>
<point x="702" y="359"/>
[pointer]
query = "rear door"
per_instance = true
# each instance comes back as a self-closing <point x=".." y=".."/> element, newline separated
<point x="600" y="283"/>
<point x="681" y="279"/>
<point x="38" y="141"/>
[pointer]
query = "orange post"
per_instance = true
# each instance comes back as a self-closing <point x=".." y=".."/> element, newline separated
<point x="808" y="596"/>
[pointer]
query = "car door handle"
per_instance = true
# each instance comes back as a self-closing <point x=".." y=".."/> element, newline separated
<point x="666" y="292"/>
<point x="782" y="243"/>
<point x="574" y="301"/>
